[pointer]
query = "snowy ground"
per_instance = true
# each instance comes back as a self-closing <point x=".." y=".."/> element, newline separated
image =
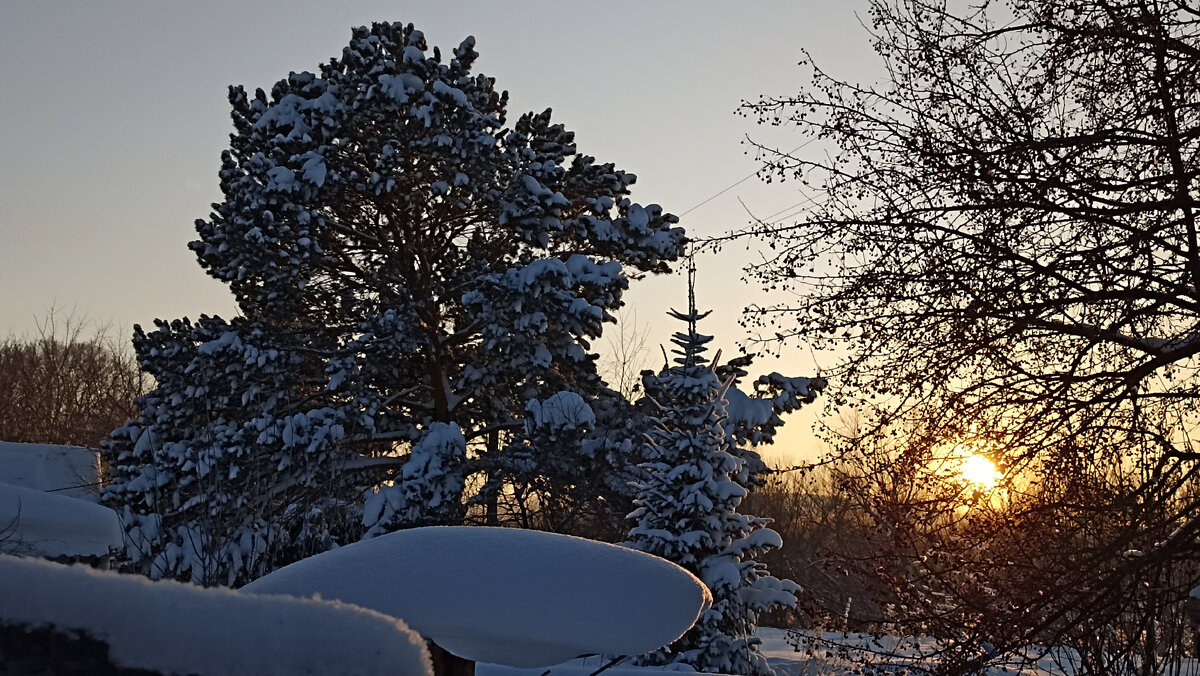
<point x="782" y="657"/>
<point x="835" y="654"/>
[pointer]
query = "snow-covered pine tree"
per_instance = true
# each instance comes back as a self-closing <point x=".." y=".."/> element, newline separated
<point x="406" y="263"/>
<point x="695" y="476"/>
<point x="552" y="462"/>
<point x="573" y="468"/>
<point x="753" y="418"/>
<point x="230" y="466"/>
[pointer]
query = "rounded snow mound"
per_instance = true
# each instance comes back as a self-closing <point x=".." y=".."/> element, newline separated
<point x="183" y="629"/>
<point x="506" y="596"/>
<point x="52" y="524"/>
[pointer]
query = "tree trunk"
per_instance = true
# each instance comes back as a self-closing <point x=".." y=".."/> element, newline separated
<point x="446" y="664"/>
<point x="493" y="498"/>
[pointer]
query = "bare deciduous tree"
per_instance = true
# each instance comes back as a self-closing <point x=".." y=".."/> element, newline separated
<point x="64" y="386"/>
<point x="624" y="358"/>
<point x="1003" y="235"/>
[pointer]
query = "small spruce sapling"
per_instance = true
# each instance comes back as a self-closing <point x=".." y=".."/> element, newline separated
<point x="696" y="473"/>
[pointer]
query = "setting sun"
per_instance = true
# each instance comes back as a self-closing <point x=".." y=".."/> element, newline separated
<point x="980" y="471"/>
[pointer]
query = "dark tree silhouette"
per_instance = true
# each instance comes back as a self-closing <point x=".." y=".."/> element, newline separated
<point x="66" y="386"/>
<point x="1002" y="236"/>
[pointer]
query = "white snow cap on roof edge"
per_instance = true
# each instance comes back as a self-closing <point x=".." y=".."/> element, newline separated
<point x="507" y="596"/>
<point x="177" y="628"/>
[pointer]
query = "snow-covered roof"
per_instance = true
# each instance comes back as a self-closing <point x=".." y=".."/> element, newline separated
<point x="506" y="596"/>
<point x="177" y="628"/>
<point x="36" y="523"/>
<point x="68" y="470"/>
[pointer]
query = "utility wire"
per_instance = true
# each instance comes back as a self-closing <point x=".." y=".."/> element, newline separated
<point x="752" y="175"/>
<point x="743" y="180"/>
<point x="67" y="488"/>
<point x="797" y="207"/>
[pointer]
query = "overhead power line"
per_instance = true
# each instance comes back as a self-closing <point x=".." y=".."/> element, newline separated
<point x="752" y="175"/>
<point x="743" y="180"/>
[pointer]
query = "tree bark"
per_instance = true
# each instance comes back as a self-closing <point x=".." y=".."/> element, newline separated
<point x="493" y="498"/>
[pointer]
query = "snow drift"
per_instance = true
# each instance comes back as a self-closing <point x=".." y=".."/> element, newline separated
<point x="37" y="523"/>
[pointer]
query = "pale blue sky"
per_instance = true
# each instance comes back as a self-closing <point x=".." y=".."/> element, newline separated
<point x="113" y="116"/>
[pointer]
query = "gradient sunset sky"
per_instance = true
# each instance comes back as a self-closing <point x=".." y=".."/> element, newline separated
<point x="113" y="117"/>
